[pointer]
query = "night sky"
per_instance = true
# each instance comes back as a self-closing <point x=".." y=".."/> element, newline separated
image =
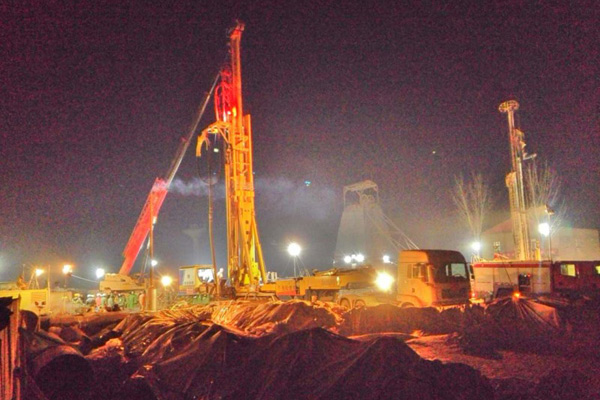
<point x="95" y="96"/>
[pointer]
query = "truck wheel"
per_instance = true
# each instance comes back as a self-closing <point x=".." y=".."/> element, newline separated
<point x="345" y="303"/>
<point x="359" y="304"/>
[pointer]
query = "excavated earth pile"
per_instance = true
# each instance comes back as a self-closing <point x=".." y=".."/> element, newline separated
<point x="303" y="350"/>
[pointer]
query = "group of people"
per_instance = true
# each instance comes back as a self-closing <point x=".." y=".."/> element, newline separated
<point x="114" y="301"/>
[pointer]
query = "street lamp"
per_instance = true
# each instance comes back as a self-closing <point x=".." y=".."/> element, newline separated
<point x="166" y="281"/>
<point x="549" y="212"/>
<point x="100" y="273"/>
<point x="544" y="229"/>
<point x="33" y="282"/>
<point x="294" y="251"/>
<point x="476" y="246"/>
<point x="67" y="270"/>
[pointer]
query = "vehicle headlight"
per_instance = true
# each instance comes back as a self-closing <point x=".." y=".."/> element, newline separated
<point x="384" y="281"/>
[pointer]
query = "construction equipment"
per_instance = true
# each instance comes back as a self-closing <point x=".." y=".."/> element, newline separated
<point x="323" y="285"/>
<point x="121" y="281"/>
<point x="527" y="274"/>
<point x="423" y="278"/>
<point x="515" y="184"/>
<point x="246" y="269"/>
<point x="198" y="284"/>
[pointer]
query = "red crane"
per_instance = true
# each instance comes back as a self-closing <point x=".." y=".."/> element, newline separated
<point x="157" y="195"/>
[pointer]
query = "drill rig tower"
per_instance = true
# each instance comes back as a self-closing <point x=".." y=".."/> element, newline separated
<point x="515" y="184"/>
<point x="245" y="264"/>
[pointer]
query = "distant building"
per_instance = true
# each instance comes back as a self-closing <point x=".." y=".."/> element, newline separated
<point x="567" y="243"/>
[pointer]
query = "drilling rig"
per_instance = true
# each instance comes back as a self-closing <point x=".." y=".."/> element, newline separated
<point x="515" y="184"/>
<point x="246" y="269"/>
<point x="525" y="273"/>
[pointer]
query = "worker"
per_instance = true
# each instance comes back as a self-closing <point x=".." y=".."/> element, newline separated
<point x="98" y="302"/>
<point x="142" y="301"/>
<point x="110" y="302"/>
<point x="131" y="300"/>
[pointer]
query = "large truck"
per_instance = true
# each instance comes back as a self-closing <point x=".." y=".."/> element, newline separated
<point x="423" y="278"/>
<point x="533" y="278"/>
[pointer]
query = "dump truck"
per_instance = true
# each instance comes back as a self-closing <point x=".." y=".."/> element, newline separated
<point x="534" y="278"/>
<point x="423" y="278"/>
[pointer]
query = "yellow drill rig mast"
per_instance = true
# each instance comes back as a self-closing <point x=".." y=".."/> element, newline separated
<point x="245" y="264"/>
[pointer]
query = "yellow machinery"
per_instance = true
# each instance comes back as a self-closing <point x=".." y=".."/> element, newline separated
<point x="245" y="265"/>
<point x="323" y="285"/>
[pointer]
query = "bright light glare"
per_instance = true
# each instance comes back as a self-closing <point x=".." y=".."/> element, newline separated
<point x="100" y="272"/>
<point x="166" y="280"/>
<point x="347" y="259"/>
<point x="360" y="257"/>
<point x="386" y="259"/>
<point x="67" y="269"/>
<point x="154" y="263"/>
<point x="384" y="281"/>
<point x="544" y="229"/>
<point x="476" y="246"/>
<point x="294" y="249"/>
<point x="38" y="271"/>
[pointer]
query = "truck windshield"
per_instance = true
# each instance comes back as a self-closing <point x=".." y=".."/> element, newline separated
<point x="450" y="272"/>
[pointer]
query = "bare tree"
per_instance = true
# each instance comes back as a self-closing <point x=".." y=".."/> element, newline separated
<point x="473" y="201"/>
<point x="542" y="187"/>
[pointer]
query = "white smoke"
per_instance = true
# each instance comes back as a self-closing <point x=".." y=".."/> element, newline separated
<point x="280" y="196"/>
<point x="197" y="187"/>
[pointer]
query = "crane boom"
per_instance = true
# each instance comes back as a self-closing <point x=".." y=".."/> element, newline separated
<point x="158" y="192"/>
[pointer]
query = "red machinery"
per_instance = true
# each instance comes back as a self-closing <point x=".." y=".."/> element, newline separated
<point x="157" y="196"/>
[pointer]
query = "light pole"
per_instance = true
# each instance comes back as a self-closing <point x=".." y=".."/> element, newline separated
<point x="294" y="251"/>
<point x="100" y="273"/>
<point x="67" y="271"/>
<point x="476" y="246"/>
<point x="33" y="282"/>
<point x="151" y="297"/>
<point x="549" y="212"/>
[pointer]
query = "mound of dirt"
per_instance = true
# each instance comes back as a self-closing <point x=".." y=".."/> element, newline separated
<point x="280" y="317"/>
<point x="390" y="318"/>
<point x="513" y="324"/>
<point x="313" y="363"/>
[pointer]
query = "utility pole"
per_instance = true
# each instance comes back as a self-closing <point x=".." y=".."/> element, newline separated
<point x="151" y="297"/>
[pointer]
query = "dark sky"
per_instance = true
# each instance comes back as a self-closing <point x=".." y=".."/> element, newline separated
<point x="95" y="96"/>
